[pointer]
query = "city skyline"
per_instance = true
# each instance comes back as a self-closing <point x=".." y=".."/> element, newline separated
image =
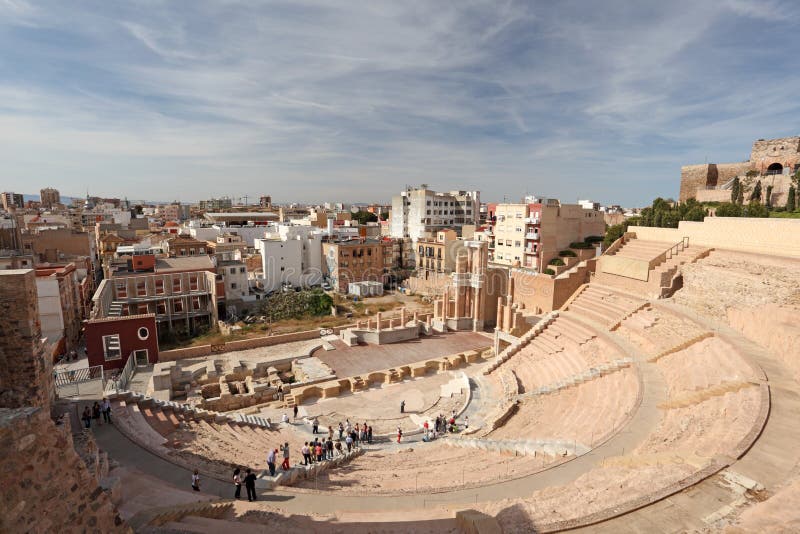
<point x="318" y="103"/>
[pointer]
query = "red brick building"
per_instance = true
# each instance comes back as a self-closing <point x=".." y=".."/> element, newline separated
<point x="112" y="340"/>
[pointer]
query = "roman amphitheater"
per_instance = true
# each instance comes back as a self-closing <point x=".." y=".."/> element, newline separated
<point x="661" y="396"/>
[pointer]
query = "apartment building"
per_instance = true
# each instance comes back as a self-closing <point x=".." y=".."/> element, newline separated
<point x="438" y="255"/>
<point x="359" y="260"/>
<point x="181" y="293"/>
<point x="420" y="212"/>
<point x="290" y="255"/>
<point x="12" y="200"/>
<point x="49" y="197"/>
<point x="184" y="245"/>
<point x="531" y="233"/>
<point x="60" y="308"/>
<point x="216" y="204"/>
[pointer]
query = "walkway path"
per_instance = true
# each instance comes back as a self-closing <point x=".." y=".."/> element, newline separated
<point x="641" y="424"/>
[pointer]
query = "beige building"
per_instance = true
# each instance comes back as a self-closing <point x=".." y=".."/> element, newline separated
<point x="49" y="197"/>
<point x="533" y="233"/>
<point x="358" y="261"/>
<point x="438" y="255"/>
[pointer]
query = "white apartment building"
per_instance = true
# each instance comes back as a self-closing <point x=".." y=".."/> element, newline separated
<point x="420" y="212"/>
<point x="292" y="255"/>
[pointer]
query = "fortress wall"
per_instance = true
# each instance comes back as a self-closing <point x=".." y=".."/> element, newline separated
<point x="774" y="237"/>
<point x="694" y="178"/>
<point x="46" y="487"/>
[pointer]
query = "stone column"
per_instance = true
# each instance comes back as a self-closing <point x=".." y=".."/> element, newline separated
<point x="378" y="322"/>
<point x="500" y="313"/>
<point x="402" y="316"/>
<point x="416" y="318"/>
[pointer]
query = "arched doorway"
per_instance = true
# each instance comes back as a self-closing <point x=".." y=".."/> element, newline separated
<point x="775" y="168"/>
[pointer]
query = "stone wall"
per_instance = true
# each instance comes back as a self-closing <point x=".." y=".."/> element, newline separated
<point x="693" y="178"/>
<point x="26" y="373"/>
<point x="46" y="487"/>
<point x="541" y="293"/>
<point x="784" y="150"/>
<point x="775" y="237"/>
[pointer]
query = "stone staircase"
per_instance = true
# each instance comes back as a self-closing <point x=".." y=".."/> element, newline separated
<point x="665" y="259"/>
<point x="526" y="338"/>
<point x="155" y="517"/>
<point x="604" y="306"/>
<point x="579" y="378"/>
<point x="703" y="394"/>
<point x="229" y="440"/>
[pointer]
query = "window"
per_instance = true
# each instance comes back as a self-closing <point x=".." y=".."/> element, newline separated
<point x="143" y="333"/>
<point x="233" y="270"/>
<point x="161" y="308"/>
<point x="233" y="286"/>
<point x="122" y="290"/>
<point x="112" y="350"/>
<point x="283" y="268"/>
<point x="242" y="270"/>
<point x="193" y="282"/>
<point x="141" y="290"/>
<point x="176" y="285"/>
<point x="159" y="286"/>
<point x="195" y="303"/>
<point x="177" y="306"/>
<point x="516" y="243"/>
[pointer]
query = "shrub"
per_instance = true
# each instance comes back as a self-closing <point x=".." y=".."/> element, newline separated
<point x="551" y="272"/>
<point x="556" y="261"/>
<point x="567" y="253"/>
<point x="728" y="209"/>
<point x="756" y="209"/>
<point x="594" y="239"/>
<point x="580" y="244"/>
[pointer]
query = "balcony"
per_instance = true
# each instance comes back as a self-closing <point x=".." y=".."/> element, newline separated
<point x="532" y="220"/>
<point x="530" y="251"/>
<point x="532" y="235"/>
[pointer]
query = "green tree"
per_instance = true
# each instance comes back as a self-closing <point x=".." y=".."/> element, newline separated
<point x="740" y="196"/>
<point x="363" y="217"/>
<point x="735" y="188"/>
<point x="790" y="201"/>
<point x="756" y="194"/>
<point x="729" y="209"/>
<point x="756" y="209"/>
<point x="615" y="232"/>
<point x="696" y="213"/>
<point x="768" y="197"/>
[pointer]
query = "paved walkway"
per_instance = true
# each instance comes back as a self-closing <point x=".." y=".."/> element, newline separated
<point x="638" y="428"/>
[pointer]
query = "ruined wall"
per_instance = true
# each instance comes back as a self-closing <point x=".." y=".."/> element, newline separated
<point x="694" y="178"/>
<point x="26" y="373"/>
<point x="729" y="171"/>
<point x="541" y="293"/>
<point x="46" y="487"/>
<point x="784" y="150"/>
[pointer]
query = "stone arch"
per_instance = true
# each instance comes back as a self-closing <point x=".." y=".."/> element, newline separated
<point x="775" y="168"/>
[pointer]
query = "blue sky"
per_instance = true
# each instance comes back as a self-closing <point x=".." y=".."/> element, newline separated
<point x="315" y="101"/>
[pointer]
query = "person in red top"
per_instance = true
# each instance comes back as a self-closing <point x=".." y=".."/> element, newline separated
<point x="318" y="451"/>
<point x="399" y="434"/>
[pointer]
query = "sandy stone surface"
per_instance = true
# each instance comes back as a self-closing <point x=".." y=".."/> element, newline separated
<point x="380" y="407"/>
<point x="736" y="280"/>
<point x="780" y="513"/>
<point x="587" y="413"/>
<point x="655" y="330"/>
<point x="424" y="467"/>
<point x="592" y="492"/>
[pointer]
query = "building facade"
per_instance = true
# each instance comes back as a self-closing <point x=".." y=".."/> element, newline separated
<point x="290" y="255"/>
<point x="49" y="197"/>
<point x="530" y="234"/>
<point x="358" y="261"/>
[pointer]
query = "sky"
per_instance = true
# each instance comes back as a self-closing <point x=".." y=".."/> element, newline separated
<point x="351" y="101"/>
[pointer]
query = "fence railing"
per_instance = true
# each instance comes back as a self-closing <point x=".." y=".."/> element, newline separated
<point x="120" y="382"/>
<point x="86" y="381"/>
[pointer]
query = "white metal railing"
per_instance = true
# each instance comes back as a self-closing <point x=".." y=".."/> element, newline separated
<point x="86" y="380"/>
<point x="121" y="381"/>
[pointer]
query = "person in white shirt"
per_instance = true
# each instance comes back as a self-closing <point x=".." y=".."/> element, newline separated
<point x="196" y="480"/>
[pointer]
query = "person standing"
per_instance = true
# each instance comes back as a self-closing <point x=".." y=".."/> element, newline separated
<point x="349" y="442"/>
<point x="305" y="452"/>
<point x="329" y="448"/>
<point x="318" y="451"/>
<point x="105" y="408"/>
<point x="399" y="434"/>
<point x="315" y="426"/>
<point x="285" y="449"/>
<point x="237" y="482"/>
<point x="96" y="413"/>
<point x="369" y="435"/>
<point x="330" y="432"/>
<point x="341" y="430"/>
<point x="402" y="406"/>
<point x="271" y="457"/>
<point x="87" y="417"/>
<point x="295" y="411"/>
<point x="250" y="484"/>
<point x="196" y="480"/>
